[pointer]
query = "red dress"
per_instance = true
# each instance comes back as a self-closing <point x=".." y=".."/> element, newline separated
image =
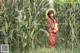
<point x="53" y="28"/>
<point x="0" y="4"/>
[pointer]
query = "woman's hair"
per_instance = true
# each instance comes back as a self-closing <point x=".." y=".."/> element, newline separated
<point x="50" y="12"/>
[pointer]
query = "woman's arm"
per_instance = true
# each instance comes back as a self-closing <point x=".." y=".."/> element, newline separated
<point x="56" y="28"/>
<point x="50" y="23"/>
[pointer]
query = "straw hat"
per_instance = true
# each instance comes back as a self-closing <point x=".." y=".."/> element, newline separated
<point x="50" y="10"/>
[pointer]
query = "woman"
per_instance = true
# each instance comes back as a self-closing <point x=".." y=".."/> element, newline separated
<point x="53" y="28"/>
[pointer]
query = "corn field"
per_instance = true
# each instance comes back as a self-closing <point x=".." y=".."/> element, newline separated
<point x="23" y="25"/>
